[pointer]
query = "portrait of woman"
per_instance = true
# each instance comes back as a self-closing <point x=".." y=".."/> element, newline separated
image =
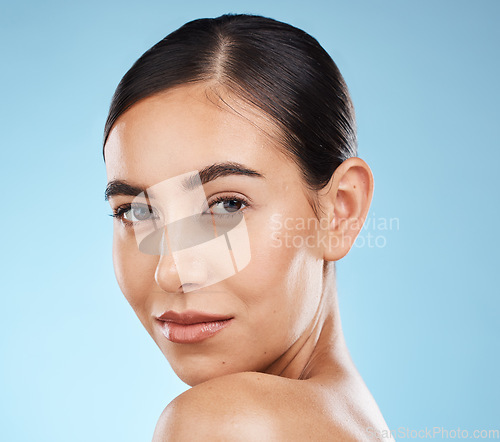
<point x="249" y="221"/>
<point x="260" y="112"/>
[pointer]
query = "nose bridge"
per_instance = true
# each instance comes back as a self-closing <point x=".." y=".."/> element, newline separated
<point x="190" y="232"/>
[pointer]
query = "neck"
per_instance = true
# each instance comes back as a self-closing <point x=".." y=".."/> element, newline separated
<point x="321" y="348"/>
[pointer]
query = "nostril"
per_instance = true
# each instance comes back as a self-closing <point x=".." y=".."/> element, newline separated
<point x="189" y="287"/>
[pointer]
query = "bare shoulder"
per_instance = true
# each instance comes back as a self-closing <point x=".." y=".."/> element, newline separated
<point x="253" y="407"/>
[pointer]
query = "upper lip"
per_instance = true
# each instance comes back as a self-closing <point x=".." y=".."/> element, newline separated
<point x="191" y="317"/>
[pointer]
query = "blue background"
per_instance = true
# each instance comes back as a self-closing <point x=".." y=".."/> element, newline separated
<point x="420" y="313"/>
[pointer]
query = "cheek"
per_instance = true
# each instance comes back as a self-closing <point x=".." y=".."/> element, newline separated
<point x="133" y="269"/>
<point x="283" y="280"/>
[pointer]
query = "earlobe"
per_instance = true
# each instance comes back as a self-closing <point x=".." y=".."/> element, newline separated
<point x="350" y="196"/>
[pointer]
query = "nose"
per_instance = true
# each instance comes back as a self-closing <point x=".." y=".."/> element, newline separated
<point x="180" y="273"/>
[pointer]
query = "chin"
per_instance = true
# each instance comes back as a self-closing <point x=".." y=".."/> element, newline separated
<point x="198" y="375"/>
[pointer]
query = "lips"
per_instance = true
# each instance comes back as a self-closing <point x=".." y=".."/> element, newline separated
<point x="191" y="326"/>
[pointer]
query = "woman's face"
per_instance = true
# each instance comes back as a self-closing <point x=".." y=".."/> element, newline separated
<point x="273" y="300"/>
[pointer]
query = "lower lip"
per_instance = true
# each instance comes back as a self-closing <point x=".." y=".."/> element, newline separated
<point x="192" y="333"/>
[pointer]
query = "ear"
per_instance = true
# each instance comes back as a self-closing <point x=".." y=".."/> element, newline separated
<point x="347" y="201"/>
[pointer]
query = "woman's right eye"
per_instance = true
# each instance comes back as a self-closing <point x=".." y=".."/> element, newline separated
<point x="140" y="213"/>
<point x="134" y="213"/>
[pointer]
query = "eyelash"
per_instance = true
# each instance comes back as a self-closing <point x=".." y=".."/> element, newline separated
<point x="120" y="211"/>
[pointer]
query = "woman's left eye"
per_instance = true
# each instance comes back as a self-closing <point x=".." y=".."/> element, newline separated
<point x="227" y="206"/>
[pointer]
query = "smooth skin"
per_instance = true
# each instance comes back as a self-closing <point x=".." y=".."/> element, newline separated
<point x="281" y="370"/>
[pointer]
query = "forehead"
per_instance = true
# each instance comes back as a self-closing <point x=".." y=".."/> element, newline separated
<point x="184" y="129"/>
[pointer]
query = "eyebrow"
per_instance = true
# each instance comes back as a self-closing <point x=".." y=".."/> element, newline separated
<point x="207" y="174"/>
<point x="119" y="187"/>
<point x="218" y="170"/>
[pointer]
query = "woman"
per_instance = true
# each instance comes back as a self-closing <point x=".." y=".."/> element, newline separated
<point x="230" y="150"/>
